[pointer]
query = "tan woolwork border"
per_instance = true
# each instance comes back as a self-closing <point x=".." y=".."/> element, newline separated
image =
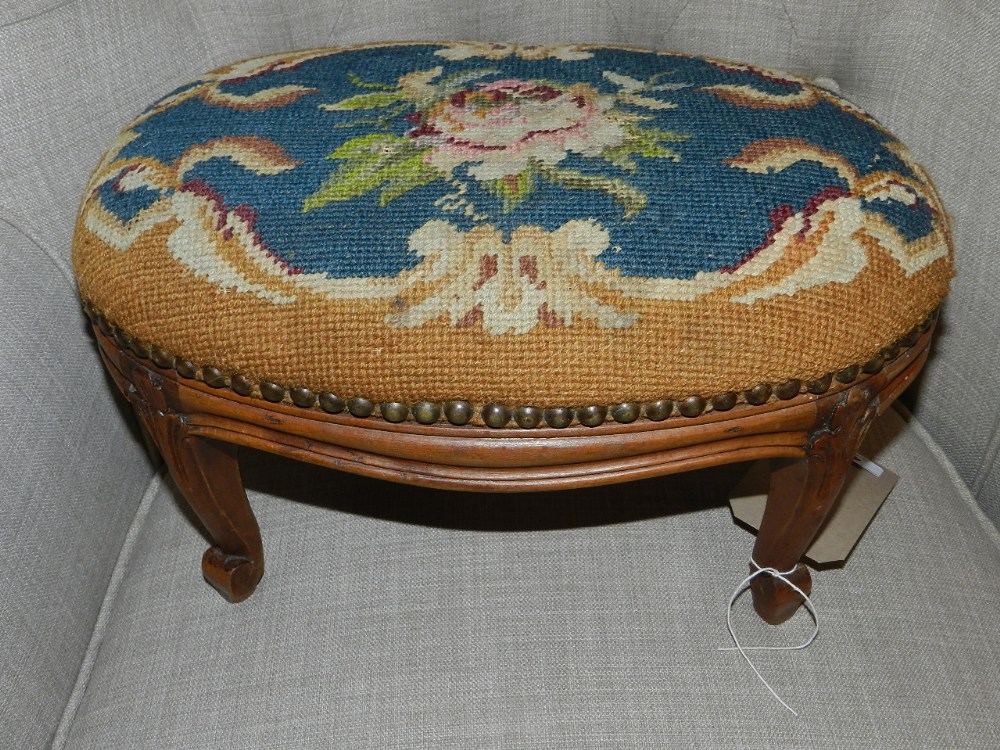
<point x="675" y="349"/>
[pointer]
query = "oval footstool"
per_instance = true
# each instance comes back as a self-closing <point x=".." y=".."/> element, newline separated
<point x="502" y="267"/>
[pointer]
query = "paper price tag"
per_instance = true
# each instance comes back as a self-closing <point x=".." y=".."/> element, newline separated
<point x="865" y="489"/>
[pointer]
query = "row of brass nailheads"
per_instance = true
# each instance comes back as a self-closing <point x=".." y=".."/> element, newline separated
<point x="498" y="415"/>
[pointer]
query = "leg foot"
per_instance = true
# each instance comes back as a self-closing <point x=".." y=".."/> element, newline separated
<point x="775" y="601"/>
<point x="232" y="576"/>
<point x="208" y="474"/>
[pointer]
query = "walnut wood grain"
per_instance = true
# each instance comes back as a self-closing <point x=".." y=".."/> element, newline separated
<point x="802" y="494"/>
<point x="207" y="473"/>
<point x="198" y="429"/>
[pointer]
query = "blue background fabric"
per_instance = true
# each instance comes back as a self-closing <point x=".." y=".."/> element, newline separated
<point x="702" y="215"/>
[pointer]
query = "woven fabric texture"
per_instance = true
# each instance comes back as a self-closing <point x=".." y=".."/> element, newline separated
<point x="525" y="224"/>
<point x="64" y="512"/>
<point x="408" y="618"/>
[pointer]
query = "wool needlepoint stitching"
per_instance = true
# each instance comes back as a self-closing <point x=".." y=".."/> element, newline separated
<point x="431" y="221"/>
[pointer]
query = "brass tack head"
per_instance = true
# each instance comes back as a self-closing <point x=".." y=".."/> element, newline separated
<point x="659" y="410"/>
<point x="394" y="411"/>
<point x="891" y="351"/>
<point x="724" y="401"/>
<point x="302" y="396"/>
<point x="427" y="412"/>
<point x="121" y="338"/>
<point x="185" y="368"/>
<point x="140" y="348"/>
<point x="213" y="376"/>
<point x="271" y="391"/>
<point x="458" y="412"/>
<point x="528" y="417"/>
<point x="692" y="406"/>
<point x="788" y="389"/>
<point x="559" y="417"/>
<point x="874" y="364"/>
<point x="911" y="338"/>
<point x="360" y="407"/>
<point x="496" y="415"/>
<point x="848" y="374"/>
<point x="241" y="384"/>
<point x="626" y="413"/>
<point x="162" y="358"/>
<point x="331" y="403"/>
<point x="593" y="415"/>
<point x="822" y="385"/>
<point x="759" y="394"/>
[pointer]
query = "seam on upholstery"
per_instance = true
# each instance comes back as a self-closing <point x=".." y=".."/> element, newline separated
<point x="672" y="23"/>
<point x="104" y="614"/>
<point x="189" y="8"/>
<point x="791" y="23"/>
<point x="336" y="23"/>
<point x="963" y="489"/>
<point x="609" y="7"/>
<point x="989" y="459"/>
<point x="58" y="262"/>
<point x="39" y="14"/>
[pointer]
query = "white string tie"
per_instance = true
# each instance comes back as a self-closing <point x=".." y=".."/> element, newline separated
<point x="743" y="586"/>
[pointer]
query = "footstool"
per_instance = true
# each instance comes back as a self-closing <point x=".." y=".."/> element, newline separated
<point x="503" y="267"/>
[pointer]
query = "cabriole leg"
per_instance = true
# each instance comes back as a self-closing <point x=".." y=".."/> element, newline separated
<point x="207" y="473"/>
<point x="802" y="494"/>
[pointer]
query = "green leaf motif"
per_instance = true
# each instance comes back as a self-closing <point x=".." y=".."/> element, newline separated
<point x="405" y="176"/>
<point x="514" y="188"/>
<point x="645" y="142"/>
<point x="392" y="165"/>
<point x="373" y="161"/>
<point x="365" y="101"/>
<point x="370" y="147"/>
<point x="358" y="81"/>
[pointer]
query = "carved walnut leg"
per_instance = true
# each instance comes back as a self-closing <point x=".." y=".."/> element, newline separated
<point x="802" y="493"/>
<point x="208" y="475"/>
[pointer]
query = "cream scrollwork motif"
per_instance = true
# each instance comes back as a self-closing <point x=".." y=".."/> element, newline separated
<point x="214" y="241"/>
<point x="487" y="142"/>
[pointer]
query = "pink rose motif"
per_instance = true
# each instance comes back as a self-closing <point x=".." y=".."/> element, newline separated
<point x="502" y="128"/>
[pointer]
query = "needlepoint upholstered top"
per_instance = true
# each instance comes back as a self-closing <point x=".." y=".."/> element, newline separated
<point x="500" y="268"/>
<point x="519" y="227"/>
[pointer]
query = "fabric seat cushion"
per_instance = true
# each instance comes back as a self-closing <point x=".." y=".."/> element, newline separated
<point x="517" y="224"/>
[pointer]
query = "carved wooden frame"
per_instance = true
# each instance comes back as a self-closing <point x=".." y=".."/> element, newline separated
<point x="198" y="429"/>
